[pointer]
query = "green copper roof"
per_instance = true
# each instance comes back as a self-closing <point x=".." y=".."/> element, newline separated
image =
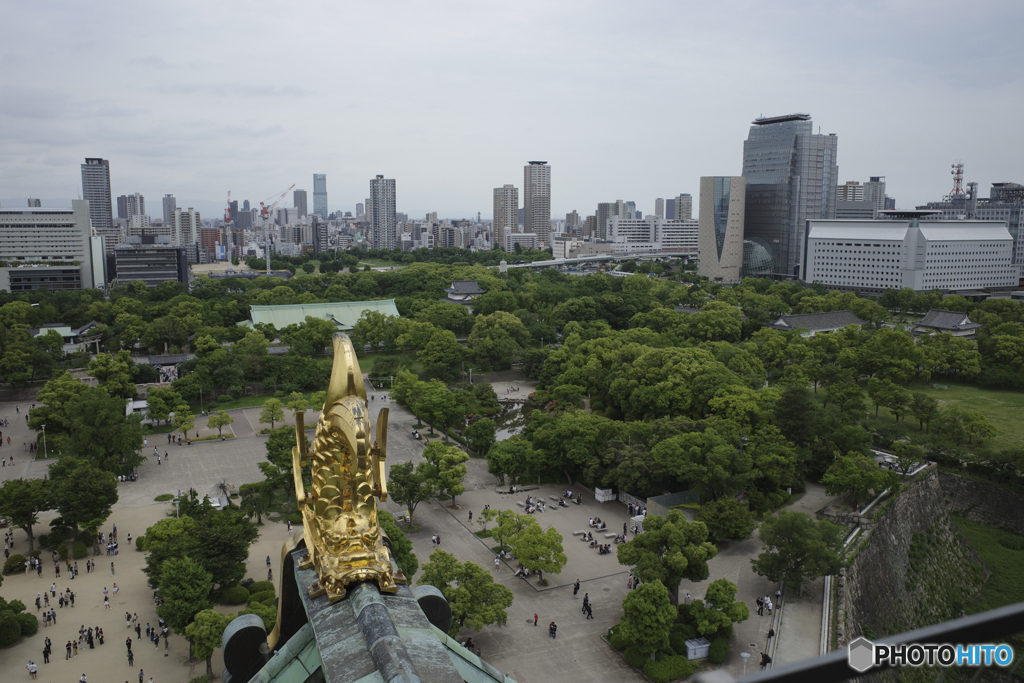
<point x="344" y="313"/>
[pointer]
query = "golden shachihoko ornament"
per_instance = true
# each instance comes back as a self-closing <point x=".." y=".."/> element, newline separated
<point x="344" y="541"/>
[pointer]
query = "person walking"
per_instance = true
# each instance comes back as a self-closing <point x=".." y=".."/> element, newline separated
<point x="140" y="676"/>
<point x="32" y="669"/>
<point x="535" y="618"/>
<point x="68" y="655"/>
<point x="760" y="607"/>
<point x="497" y="564"/>
<point x="111" y="568"/>
<point x="586" y="601"/>
<point x="575" y="589"/>
<point x="470" y="515"/>
<point x="74" y="648"/>
<point x="590" y="611"/>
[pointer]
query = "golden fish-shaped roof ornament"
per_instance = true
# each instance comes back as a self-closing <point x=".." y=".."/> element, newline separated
<point x="344" y="541"/>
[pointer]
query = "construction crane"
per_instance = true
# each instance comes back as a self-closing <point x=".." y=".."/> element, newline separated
<point x="227" y="210"/>
<point x="265" y="210"/>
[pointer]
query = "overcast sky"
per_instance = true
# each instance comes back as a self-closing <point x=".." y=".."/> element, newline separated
<point x="625" y="100"/>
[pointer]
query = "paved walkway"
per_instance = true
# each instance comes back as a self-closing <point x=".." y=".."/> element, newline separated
<point x="518" y="647"/>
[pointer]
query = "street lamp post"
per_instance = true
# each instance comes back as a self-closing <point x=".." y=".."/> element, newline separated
<point x="201" y="410"/>
<point x="45" y="455"/>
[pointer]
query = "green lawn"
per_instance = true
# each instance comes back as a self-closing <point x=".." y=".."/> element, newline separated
<point x="1006" y="585"/>
<point x="1002" y="408"/>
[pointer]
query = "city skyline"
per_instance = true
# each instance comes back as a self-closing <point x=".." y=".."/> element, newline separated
<point x="226" y="117"/>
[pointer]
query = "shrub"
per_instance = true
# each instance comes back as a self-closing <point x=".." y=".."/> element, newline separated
<point x="266" y="597"/>
<point x="29" y="624"/>
<point x="211" y="406"/>
<point x="62" y="550"/>
<point x="618" y="641"/>
<point x="678" y="636"/>
<point x="36" y="553"/>
<point x="43" y="540"/>
<point x="235" y="392"/>
<point x="10" y="629"/>
<point x="163" y="497"/>
<point x="15" y="606"/>
<point x="725" y="632"/>
<point x="224" y="398"/>
<point x="235" y="595"/>
<point x="719" y="651"/>
<point x="635" y="657"/>
<point x="79" y="550"/>
<point x="669" y="668"/>
<point x="200" y="679"/>
<point x="1012" y="541"/>
<point x="14" y="563"/>
<point x="140" y="543"/>
<point x="260" y="586"/>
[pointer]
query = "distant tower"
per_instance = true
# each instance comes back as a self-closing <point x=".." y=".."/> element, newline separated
<point x="320" y="194"/>
<point x="96" y="190"/>
<point x="34" y="203"/>
<point x="958" y="179"/>
<point x="381" y="213"/>
<point x="659" y="207"/>
<point x="537" y="200"/>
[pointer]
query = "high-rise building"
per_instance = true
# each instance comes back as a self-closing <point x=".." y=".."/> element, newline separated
<point x="50" y="249"/>
<point x="185" y="227"/>
<point x="320" y="195"/>
<point x="605" y="212"/>
<point x="720" y="239"/>
<point x="791" y="175"/>
<point x="874" y="192"/>
<point x="630" y="211"/>
<point x="170" y="204"/>
<point x="135" y="205"/>
<point x="299" y="201"/>
<point x="537" y="200"/>
<point x="506" y="209"/>
<point x="850" y="191"/>
<point x="659" y="208"/>
<point x="319" y="234"/>
<point x="96" y="191"/>
<point x="34" y="203"/>
<point x="383" y="222"/>
<point x="573" y="224"/>
<point x="360" y="210"/>
<point x="233" y="209"/>
<point x="683" y="207"/>
<point x="122" y="207"/>
<point x="245" y="205"/>
<point x="670" y="209"/>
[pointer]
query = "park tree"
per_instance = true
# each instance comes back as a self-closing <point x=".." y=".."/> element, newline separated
<point x="219" y="420"/>
<point x="536" y="549"/>
<point x="297" y="403"/>
<point x="670" y="549"/>
<point x="496" y="338"/>
<point x="441" y="355"/>
<point x="485" y="517"/>
<point x="925" y="409"/>
<point x="21" y="501"/>
<point x="856" y="474"/>
<point x="507" y="459"/>
<point x="311" y="338"/>
<point x="403" y="553"/>
<point x="909" y="456"/>
<point x="252" y="354"/>
<point x="256" y="499"/>
<point x="115" y="373"/>
<point x="102" y="434"/>
<point x="719" y="610"/>
<point x="160" y="404"/>
<point x="272" y="413"/>
<point x="184" y="420"/>
<point x="727" y="518"/>
<point x="408" y="486"/>
<point x="53" y="402"/>
<point x="475" y="599"/>
<point x="447" y="316"/>
<point x="708" y="460"/>
<point x="205" y="634"/>
<point x="797" y="548"/>
<point x="438" y="405"/>
<point x="81" y="492"/>
<point x="647" y="617"/>
<point x="480" y="435"/>
<point x="445" y="468"/>
<point x="185" y="589"/>
<point x="277" y="468"/>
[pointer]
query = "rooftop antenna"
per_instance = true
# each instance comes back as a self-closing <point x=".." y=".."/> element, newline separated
<point x="958" y="179"/>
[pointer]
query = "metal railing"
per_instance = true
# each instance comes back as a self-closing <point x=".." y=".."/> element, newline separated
<point x="985" y="627"/>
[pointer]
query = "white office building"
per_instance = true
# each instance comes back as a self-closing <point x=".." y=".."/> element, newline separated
<point x="874" y="255"/>
<point x="651" y="234"/>
<point x="51" y="249"/>
<point x="96" y="191"/>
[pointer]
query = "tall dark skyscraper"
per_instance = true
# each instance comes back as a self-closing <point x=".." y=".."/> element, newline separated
<point x="96" y="190"/>
<point x="791" y="177"/>
<point x="299" y="202"/>
<point x="320" y="195"/>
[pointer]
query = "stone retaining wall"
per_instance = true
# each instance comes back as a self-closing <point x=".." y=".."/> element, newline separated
<point x="984" y="502"/>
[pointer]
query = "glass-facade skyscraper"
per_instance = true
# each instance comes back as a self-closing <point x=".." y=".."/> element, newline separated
<point x="537" y="200"/>
<point x="96" y="190"/>
<point x="791" y="175"/>
<point x="320" y="195"/>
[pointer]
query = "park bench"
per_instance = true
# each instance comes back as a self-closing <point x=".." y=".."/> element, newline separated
<point x="554" y="498"/>
<point x="609" y="535"/>
<point x="520" y="503"/>
<point x="578" y="533"/>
